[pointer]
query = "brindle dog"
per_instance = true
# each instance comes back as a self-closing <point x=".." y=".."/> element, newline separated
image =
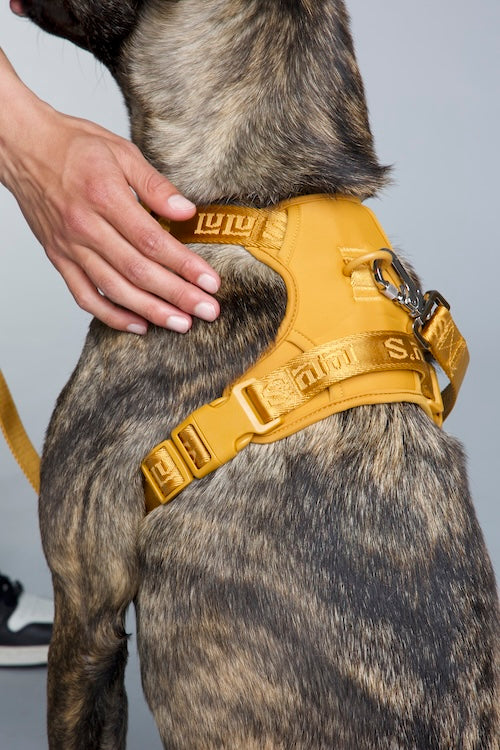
<point x="331" y="590"/>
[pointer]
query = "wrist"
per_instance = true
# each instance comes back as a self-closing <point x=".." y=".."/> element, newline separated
<point x="19" y="113"/>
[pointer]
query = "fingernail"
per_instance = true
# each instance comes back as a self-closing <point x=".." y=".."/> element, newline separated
<point x="180" y="203"/>
<point x="208" y="283"/>
<point x="137" y="328"/>
<point x="205" y="311"/>
<point x="178" y="324"/>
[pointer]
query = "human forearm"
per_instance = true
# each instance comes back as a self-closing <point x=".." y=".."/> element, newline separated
<point x="19" y="112"/>
<point x="72" y="181"/>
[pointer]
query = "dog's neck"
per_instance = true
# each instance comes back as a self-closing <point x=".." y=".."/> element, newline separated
<point x="250" y="101"/>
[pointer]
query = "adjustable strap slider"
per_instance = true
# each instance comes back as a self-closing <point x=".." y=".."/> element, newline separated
<point x="208" y="438"/>
<point x="165" y="474"/>
<point x="216" y="432"/>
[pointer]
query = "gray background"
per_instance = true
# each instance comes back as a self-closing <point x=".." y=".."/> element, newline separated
<point x="431" y="75"/>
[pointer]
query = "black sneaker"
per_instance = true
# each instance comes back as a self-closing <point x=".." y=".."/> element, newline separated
<point x="25" y="626"/>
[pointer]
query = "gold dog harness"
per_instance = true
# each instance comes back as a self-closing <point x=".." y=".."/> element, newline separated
<point x="342" y="343"/>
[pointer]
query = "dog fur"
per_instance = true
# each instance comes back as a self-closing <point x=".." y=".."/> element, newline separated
<point x="331" y="590"/>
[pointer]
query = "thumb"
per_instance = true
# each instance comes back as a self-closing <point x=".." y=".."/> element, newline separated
<point x="155" y="191"/>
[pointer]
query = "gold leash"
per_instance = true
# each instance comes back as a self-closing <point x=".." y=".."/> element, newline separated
<point x="17" y="438"/>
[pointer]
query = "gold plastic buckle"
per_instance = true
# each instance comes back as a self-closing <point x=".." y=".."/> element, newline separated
<point x="208" y="438"/>
<point x="216" y="432"/>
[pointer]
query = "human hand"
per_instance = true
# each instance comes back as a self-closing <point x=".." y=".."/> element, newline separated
<point x="72" y="181"/>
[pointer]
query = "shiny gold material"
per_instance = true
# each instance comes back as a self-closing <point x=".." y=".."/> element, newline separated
<point x="341" y="343"/>
<point x="194" y="446"/>
<point x="166" y="474"/>
<point x="16" y="437"/>
<point x="294" y="384"/>
<point x="449" y="349"/>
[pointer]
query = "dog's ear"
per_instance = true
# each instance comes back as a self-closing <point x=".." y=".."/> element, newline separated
<point x="99" y="26"/>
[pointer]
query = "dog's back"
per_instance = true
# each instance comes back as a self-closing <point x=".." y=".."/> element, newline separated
<point x="330" y="590"/>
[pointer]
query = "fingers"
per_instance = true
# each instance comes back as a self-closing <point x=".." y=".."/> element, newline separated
<point x="132" y="284"/>
<point x="140" y="281"/>
<point x="129" y="278"/>
<point x="88" y="298"/>
<point x="16" y="7"/>
<point x="143" y="232"/>
<point x="154" y="189"/>
<point x="117" y="261"/>
<point x="118" y="207"/>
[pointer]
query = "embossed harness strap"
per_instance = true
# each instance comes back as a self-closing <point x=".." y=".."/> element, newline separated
<point x="341" y="343"/>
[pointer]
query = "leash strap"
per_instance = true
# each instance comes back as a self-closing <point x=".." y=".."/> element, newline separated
<point x="16" y="437"/>
<point x="449" y="349"/>
<point x="433" y="326"/>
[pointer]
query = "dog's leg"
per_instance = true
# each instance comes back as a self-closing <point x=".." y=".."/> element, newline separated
<point x="91" y="506"/>
<point x="86" y="695"/>
<point x="87" y="704"/>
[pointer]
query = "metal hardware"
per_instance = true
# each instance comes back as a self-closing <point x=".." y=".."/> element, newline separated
<point x="421" y="306"/>
<point x="407" y="295"/>
<point x="433" y="300"/>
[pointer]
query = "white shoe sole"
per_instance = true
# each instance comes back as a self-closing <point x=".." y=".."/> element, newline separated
<point x="23" y="656"/>
<point x="30" y="609"/>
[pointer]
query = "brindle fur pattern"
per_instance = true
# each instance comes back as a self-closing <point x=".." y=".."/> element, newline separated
<point x="331" y="590"/>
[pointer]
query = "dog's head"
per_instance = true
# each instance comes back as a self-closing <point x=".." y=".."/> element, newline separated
<point x="243" y="100"/>
<point x="97" y="26"/>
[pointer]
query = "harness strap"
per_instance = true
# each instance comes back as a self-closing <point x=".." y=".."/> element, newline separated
<point x="16" y="437"/>
<point x="449" y="349"/>
<point x="213" y="434"/>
